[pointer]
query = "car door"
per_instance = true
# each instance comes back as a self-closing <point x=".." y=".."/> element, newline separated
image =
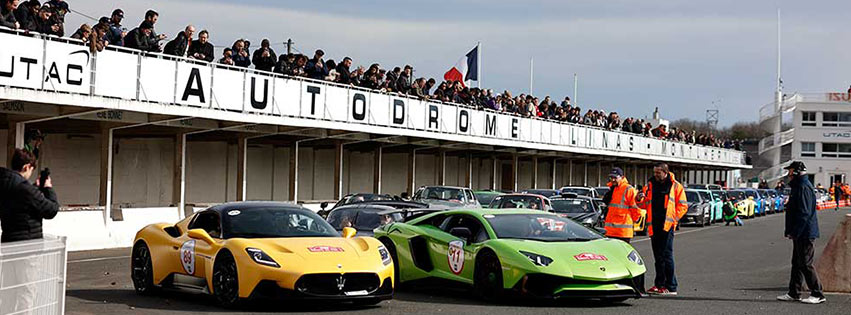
<point x="194" y="254"/>
<point x="453" y="257"/>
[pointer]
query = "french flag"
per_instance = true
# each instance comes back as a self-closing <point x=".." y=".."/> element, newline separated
<point x="466" y="69"/>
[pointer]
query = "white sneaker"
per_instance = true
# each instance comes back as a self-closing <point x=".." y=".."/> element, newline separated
<point x="788" y="298"/>
<point x="814" y="300"/>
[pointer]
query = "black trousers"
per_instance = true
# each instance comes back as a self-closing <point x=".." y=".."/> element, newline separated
<point x="663" y="258"/>
<point x="802" y="268"/>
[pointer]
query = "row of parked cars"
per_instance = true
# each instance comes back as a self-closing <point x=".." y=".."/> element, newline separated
<point x="584" y="205"/>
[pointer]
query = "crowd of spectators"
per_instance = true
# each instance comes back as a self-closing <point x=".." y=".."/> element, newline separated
<point x="49" y="19"/>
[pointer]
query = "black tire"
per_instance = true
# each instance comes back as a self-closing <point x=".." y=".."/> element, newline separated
<point x="487" y="276"/>
<point x="142" y="270"/>
<point x="393" y="256"/>
<point x="226" y="280"/>
<point x="702" y="222"/>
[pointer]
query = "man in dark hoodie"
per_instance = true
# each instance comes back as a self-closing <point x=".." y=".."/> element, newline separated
<point x="802" y="229"/>
<point x="264" y="58"/>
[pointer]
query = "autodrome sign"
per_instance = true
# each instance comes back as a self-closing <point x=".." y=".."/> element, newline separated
<point x="57" y="66"/>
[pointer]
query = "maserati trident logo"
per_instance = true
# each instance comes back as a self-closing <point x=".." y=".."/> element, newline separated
<point x="341" y="282"/>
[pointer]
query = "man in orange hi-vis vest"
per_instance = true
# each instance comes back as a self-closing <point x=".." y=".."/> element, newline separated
<point x="622" y="208"/>
<point x="665" y="201"/>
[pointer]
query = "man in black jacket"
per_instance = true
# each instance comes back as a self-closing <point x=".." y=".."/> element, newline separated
<point x="802" y="229"/>
<point x="201" y="48"/>
<point x="179" y="46"/>
<point x="140" y="38"/>
<point x="23" y="205"/>
<point x="264" y="58"/>
<point x="7" y="14"/>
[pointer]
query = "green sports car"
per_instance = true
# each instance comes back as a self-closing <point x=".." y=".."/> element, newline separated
<point x="534" y="253"/>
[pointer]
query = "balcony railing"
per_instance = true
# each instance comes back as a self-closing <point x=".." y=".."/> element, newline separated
<point x="769" y="111"/>
<point x="776" y="140"/>
<point x="64" y="66"/>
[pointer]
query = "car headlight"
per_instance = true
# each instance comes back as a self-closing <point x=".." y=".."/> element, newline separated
<point x="261" y="258"/>
<point x="635" y="257"/>
<point x="385" y="255"/>
<point x="536" y="259"/>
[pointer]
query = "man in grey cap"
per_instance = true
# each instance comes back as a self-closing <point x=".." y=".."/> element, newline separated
<point x="802" y="229"/>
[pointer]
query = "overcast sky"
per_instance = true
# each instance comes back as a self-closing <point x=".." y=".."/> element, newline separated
<point x="631" y="56"/>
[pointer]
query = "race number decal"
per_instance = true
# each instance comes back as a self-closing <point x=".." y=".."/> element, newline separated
<point x="187" y="256"/>
<point x="552" y="225"/>
<point x="456" y="256"/>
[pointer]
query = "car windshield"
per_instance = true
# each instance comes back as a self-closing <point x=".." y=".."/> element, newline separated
<point x="363" y="219"/>
<point x="572" y="206"/>
<point x="705" y="195"/>
<point x="602" y="190"/>
<point x="442" y="193"/>
<point x="546" y="228"/>
<point x="266" y="222"/>
<point x="525" y="202"/>
<point x="750" y="193"/>
<point x="577" y="190"/>
<point x="542" y="192"/>
<point x="692" y="197"/>
<point x="365" y="197"/>
<point x="485" y="198"/>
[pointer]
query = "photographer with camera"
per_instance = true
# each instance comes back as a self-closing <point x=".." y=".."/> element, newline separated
<point x="23" y="205"/>
<point x="264" y="58"/>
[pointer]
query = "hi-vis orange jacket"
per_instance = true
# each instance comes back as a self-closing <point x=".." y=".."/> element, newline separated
<point x="622" y="210"/>
<point x="676" y="205"/>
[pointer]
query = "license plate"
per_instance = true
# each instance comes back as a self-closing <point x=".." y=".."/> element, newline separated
<point x="356" y="293"/>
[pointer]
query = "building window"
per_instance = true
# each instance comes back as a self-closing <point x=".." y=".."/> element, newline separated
<point x="836" y="119"/>
<point x="808" y="149"/>
<point x="836" y="150"/>
<point x="808" y="119"/>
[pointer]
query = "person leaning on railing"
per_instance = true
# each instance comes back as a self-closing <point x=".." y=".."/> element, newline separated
<point x="7" y="14"/>
<point x="23" y="205"/>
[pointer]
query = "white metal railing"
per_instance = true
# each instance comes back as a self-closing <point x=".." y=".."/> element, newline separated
<point x="121" y="85"/>
<point x="769" y="110"/>
<point x="774" y="172"/>
<point x="32" y="276"/>
<point x="776" y="140"/>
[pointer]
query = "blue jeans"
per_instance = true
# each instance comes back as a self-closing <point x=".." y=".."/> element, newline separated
<point x="663" y="258"/>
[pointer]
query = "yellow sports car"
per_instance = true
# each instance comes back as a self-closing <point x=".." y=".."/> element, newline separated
<point x="245" y="250"/>
<point x="744" y="204"/>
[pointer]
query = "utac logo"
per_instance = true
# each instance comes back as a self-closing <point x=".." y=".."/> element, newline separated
<point x="844" y="134"/>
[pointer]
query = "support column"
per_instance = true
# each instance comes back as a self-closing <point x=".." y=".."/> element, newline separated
<point x="585" y="178"/>
<point x="514" y="166"/>
<point x="555" y="167"/>
<point x="105" y="197"/>
<point x="468" y="178"/>
<point x="441" y="167"/>
<point x="178" y="195"/>
<point x="534" y="172"/>
<point x="570" y="172"/>
<point x="412" y="168"/>
<point x="599" y="173"/>
<point x="376" y="170"/>
<point x="14" y="140"/>
<point x="493" y="173"/>
<point x="338" y="170"/>
<point x="294" y="173"/>
<point x="241" y="157"/>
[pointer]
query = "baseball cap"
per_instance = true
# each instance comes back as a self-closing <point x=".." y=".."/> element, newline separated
<point x="617" y="171"/>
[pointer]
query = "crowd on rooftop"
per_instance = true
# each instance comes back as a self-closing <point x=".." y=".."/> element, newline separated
<point x="48" y="18"/>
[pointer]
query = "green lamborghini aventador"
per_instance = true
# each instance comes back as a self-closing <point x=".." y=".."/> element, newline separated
<point x="530" y="252"/>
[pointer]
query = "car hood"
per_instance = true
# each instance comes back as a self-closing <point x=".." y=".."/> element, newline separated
<point x="319" y="253"/>
<point x="603" y="259"/>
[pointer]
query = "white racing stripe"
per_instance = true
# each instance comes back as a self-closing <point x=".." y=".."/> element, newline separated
<point x="97" y="259"/>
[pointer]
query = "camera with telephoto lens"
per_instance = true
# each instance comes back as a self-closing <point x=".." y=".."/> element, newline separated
<point x="42" y="177"/>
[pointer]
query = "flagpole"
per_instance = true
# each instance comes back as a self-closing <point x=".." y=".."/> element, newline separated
<point x="575" y="86"/>
<point x="531" y="74"/>
<point x="479" y="67"/>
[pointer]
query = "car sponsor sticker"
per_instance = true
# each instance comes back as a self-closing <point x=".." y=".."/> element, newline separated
<point x="551" y="224"/>
<point x="234" y="212"/>
<point x="589" y="256"/>
<point x="325" y="249"/>
<point x="187" y="256"/>
<point x="455" y="256"/>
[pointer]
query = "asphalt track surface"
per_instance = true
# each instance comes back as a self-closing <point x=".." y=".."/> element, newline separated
<point x="720" y="269"/>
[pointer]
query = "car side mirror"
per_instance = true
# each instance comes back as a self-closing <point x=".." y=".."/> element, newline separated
<point x="349" y="232"/>
<point x="462" y="233"/>
<point x="200" y="234"/>
<point x="323" y="205"/>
